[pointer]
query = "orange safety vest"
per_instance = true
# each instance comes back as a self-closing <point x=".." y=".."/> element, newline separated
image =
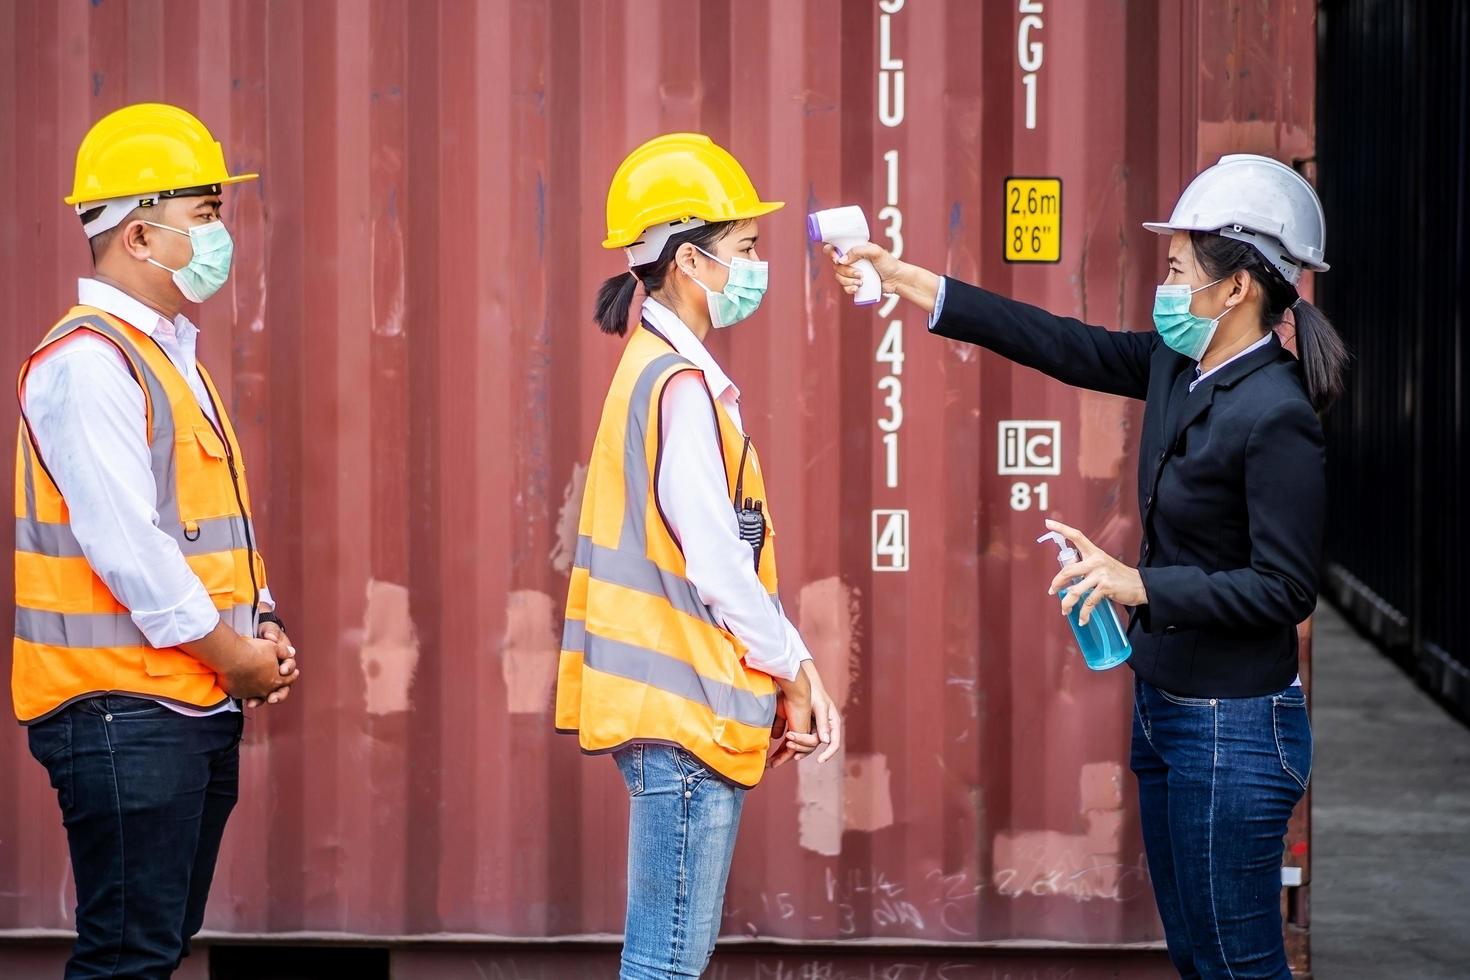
<point x="73" y="639"/>
<point x="643" y="658"/>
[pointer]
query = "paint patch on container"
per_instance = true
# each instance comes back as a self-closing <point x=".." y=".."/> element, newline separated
<point x="1083" y="866"/>
<point x="531" y="647"/>
<point x="385" y="255"/>
<point x="850" y="792"/>
<point x="828" y="620"/>
<point x="868" y="797"/>
<point x="390" y="648"/>
<point x="262" y="286"/>
<point x="565" y="550"/>
<point x="1102" y="786"/>
<point x="819" y="797"/>
<point x="1102" y="445"/>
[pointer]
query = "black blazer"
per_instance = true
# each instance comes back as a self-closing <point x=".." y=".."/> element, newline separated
<point x="1231" y="489"/>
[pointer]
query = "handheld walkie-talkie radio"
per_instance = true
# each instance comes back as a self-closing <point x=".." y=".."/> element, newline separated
<point x="749" y="513"/>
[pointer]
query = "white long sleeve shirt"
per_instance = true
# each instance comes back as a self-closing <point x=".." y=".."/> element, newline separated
<point x="694" y="495"/>
<point x="88" y="417"/>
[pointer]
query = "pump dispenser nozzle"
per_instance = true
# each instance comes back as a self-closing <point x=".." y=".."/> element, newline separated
<point x="1066" y="554"/>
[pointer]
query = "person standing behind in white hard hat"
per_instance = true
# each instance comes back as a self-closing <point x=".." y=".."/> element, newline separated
<point x="1231" y="491"/>
<point x="142" y="612"/>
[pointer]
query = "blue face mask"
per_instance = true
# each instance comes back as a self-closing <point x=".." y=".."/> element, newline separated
<point x="742" y="294"/>
<point x="210" y="266"/>
<point x="1178" y="327"/>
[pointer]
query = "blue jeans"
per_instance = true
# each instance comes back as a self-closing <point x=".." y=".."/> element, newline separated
<point x="681" y="836"/>
<point x="144" y="794"/>
<point x="1217" y="781"/>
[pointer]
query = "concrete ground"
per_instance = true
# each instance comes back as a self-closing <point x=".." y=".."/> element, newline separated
<point x="1391" y="831"/>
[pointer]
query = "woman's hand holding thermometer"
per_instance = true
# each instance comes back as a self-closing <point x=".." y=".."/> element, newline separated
<point x="855" y="263"/>
<point x="844" y="228"/>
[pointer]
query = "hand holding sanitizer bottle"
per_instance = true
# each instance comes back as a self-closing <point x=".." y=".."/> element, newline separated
<point x="1102" y="640"/>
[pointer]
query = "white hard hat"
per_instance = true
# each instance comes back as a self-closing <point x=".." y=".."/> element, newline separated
<point x="1260" y="201"/>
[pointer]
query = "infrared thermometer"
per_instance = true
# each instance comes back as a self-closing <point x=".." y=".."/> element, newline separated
<point x="844" y="228"/>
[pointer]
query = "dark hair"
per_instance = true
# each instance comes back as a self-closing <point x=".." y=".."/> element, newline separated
<point x="1321" y="351"/>
<point x="614" y="296"/>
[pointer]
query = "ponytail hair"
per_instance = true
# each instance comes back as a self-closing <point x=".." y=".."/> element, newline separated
<point x="1320" y="350"/>
<point x="614" y="297"/>
<point x="1323" y="355"/>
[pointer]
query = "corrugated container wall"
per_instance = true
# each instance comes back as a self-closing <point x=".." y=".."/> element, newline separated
<point x="407" y="347"/>
<point x="1396" y="185"/>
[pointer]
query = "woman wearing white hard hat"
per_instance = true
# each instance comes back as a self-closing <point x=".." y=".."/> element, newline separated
<point x="1232" y="500"/>
<point x="677" y="657"/>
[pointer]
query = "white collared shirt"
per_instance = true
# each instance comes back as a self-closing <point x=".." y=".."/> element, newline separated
<point x="695" y="497"/>
<point x="88" y="417"/>
<point x="1202" y="375"/>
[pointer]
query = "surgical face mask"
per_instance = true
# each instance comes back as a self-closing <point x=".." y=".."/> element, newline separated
<point x="210" y="266"/>
<point x="742" y="294"/>
<point x="1179" y="328"/>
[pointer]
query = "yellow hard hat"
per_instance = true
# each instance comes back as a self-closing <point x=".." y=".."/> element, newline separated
<point x="148" y="148"/>
<point x="674" y="180"/>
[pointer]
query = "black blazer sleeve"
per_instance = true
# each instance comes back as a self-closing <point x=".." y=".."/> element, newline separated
<point x="1116" y="362"/>
<point x="1285" y="493"/>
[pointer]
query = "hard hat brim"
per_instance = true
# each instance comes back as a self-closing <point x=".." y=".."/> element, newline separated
<point x="74" y="199"/>
<point x="1168" y="228"/>
<point x="627" y="238"/>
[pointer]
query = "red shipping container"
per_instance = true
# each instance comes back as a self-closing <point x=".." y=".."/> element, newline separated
<point x="407" y="347"/>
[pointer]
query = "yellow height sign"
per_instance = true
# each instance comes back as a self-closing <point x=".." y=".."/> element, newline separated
<point x="1033" y="209"/>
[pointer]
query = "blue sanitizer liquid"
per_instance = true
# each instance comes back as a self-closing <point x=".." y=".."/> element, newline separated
<point x="1102" y="640"/>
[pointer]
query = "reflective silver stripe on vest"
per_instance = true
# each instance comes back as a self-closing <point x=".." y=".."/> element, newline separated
<point x="678" y="678"/>
<point x="219" y="534"/>
<point x="213" y="535"/>
<point x="635" y="460"/>
<point x="637" y="572"/>
<point x="96" y="630"/>
<point x="574" y="636"/>
<point x="162" y="448"/>
<point x="85" y="630"/>
<point x="30" y="477"/>
<point x="52" y="540"/>
<point x="241" y="619"/>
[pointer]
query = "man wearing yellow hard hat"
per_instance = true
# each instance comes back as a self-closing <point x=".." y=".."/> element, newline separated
<point x="677" y="657"/>
<point x="142" y="613"/>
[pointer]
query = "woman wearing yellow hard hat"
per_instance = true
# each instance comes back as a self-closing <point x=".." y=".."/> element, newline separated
<point x="677" y="658"/>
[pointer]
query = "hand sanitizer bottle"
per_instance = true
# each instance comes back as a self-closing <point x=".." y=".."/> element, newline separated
<point x="1102" y="640"/>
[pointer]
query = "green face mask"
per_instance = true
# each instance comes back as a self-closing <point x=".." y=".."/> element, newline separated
<point x="207" y="271"/>
<point x="1178" y="326"/>
<point x="742" y="294"/>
